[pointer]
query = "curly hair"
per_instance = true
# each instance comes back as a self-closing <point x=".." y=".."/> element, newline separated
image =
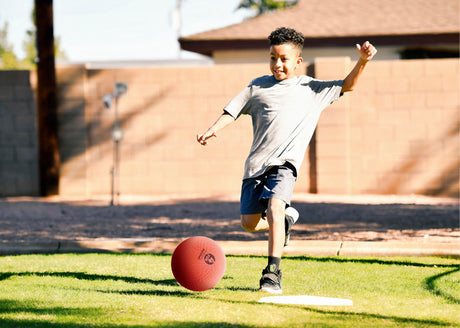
<point x="286" y="35"/>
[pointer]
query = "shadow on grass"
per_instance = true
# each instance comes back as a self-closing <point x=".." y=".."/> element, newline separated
<point x="8" y="306"/>
<point x="372" y="261"/>
<point x="353" y="316"/>
<point x="37" y="324"/>
<point x="430" y="284"/>
<point x="31" y="308"/>
<point x="337" y="259"/>
<point x="396" y="320"/>
<point x="87" y="276"/>
<point x="10" y="323"/>
<point x="82" y="318"/>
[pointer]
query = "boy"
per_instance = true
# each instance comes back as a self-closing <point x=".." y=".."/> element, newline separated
<point x="285" y="110"/>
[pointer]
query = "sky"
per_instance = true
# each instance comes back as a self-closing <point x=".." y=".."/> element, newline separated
<point x="105" y="30"/>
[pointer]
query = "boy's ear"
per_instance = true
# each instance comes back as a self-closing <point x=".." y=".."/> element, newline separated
<point x="299" y="60"/>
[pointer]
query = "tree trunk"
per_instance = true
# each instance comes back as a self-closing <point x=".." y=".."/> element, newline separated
<point x="47" y="100"/>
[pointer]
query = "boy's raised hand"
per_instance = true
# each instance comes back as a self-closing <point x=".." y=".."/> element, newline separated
<point x="367" y="51"/>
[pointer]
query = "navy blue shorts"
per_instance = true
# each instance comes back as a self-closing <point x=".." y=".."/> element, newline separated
<point x="277" y="182"/>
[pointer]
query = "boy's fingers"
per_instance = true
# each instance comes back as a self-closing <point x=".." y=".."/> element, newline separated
<point x="367" y="49"/>
<point x="370" y="47"/>
<point x="372" y="50"/>
<point x="201" y="138"/>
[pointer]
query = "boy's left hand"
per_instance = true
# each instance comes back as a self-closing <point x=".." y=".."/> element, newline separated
<point x="367" y="51"/>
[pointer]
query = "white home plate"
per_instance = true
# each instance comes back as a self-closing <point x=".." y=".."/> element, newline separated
<point x="306" y="300"/>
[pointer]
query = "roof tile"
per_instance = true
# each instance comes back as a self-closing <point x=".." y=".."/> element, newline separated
<point x="337" y="18"/>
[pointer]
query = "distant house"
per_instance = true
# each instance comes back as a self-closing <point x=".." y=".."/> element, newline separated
<point x="401" y="29"/>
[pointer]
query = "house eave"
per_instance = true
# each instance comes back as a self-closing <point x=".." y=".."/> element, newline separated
<point x="207" y="47"/>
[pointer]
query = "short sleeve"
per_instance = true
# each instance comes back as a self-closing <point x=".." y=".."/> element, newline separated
<point x="239" y="104"/>
<point x="326" y="92"/>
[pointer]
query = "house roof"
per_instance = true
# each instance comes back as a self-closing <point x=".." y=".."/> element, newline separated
<point x="335" y="22"/>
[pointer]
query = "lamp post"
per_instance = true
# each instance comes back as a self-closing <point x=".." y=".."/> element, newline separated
<point x="119" y="90"/>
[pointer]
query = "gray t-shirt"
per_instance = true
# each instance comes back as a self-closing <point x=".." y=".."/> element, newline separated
<point x="284" y="116"/>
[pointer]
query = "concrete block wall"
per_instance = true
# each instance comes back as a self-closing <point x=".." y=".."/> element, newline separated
<point x="396" y="133"/>
<point x="333" y="133"/>
<point x="72" y="131"/>
<point x="163" y="111"/>
<point x="18" y="135"/>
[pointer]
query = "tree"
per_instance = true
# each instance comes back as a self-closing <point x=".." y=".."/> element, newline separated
<point x="263" y="6"/>
<point x="29" y="45"/>
<point x="4" y="44"/>
<point x="7" y="58"/>
<point x="48" y="150"/>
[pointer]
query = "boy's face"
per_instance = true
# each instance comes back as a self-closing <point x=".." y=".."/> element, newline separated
<point x="284" y="59"/>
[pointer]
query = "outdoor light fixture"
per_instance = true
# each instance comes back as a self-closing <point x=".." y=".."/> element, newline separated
<point x="119" y="90"/>
<point x="108" y="98"/>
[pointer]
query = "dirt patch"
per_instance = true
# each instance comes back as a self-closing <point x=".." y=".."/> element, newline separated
<point x="321" y="218"/>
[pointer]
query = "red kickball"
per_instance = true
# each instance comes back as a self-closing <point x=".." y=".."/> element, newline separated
<point x="198" y="263"/>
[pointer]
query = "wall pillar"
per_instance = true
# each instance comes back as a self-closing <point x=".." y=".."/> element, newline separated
<point x="333" y="133"/>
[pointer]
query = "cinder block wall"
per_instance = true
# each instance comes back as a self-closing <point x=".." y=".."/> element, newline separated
<point x="18" y="135"/>
<point x="163" y="111"/>
<point x="397" y="133"/>
<point x="73" y="130"/>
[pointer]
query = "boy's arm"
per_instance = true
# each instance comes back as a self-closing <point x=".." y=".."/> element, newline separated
<point x="367" y="51"/>
<point x="224" y="120"/>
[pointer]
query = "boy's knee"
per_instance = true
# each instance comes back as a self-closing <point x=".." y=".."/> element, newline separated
<point x="246" y="226"/>
<point x="276" y="208"/>
<point x="250" y="222"/>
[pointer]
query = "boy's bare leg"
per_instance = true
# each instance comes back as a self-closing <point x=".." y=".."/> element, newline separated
<point x="276" y="235"/>
<point x="274" y="222"/>
<point x="254" y="222"/>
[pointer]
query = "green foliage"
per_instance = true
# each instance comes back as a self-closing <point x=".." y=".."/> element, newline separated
<point x="120" y="290"/>
<point x="4" y="43"/>
<point x="8" y="60"/>
<point x="58" y="51"/>
<point x="28" y="45"/>
<point x="262" y="6"/>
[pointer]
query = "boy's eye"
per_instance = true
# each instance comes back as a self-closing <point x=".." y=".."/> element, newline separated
<point x="282" y="59"/>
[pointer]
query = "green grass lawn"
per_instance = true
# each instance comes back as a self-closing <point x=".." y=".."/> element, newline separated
<point x="119" y="290"/>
